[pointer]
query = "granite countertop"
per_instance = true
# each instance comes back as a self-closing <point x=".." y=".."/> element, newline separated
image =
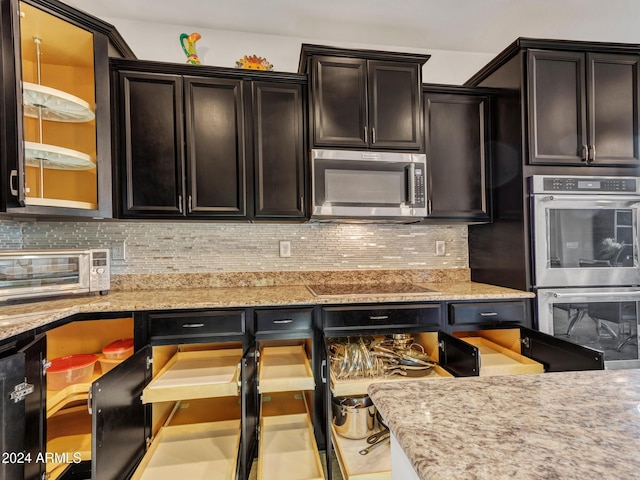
<point x="568" y="425"/>
<point x="189" y="291"/>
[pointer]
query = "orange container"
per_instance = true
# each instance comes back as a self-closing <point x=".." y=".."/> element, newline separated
<point x="69" y="370"/>
<point x="119" y="350"/>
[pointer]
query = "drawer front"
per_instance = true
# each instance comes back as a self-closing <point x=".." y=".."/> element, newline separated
<point x="287" y="319"/>
<point x="487" y="312"/>
<point x="424" y="315"/>
<point x="194" y="325"/>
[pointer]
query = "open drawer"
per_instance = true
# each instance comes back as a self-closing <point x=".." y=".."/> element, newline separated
<point x="376" y="465"/>
<point x="358" y="386"/>
<point x="284" y="369"/>
<point x="200" y="439"/>
<point x="287" y="447"/>
<point x="499" y="352"/>
<point x="196" y="374"/>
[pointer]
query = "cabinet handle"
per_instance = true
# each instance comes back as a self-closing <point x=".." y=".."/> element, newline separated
<point x="373" y="134"/>
<point x="286" y="320"/>
<point x="592" y="154"/>
<point x="585" y="153"/>
<point x="366" y="136"/>
<point x="192" y="325"/>
<point x="180" y="203"/>
<point x="302" y="204"/>
<point x="90" y="401"/>
<point x="378" y="317"/>
<point x="429" y="209"/>
<point x="14" y="190"/>
<point x="323" y="371"/>
<point x="190" y="204"/>
<point x="488" y="314"/>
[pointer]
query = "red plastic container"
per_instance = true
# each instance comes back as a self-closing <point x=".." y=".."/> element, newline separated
<point x="65" y="371"/>
<point x="119" y="350"/>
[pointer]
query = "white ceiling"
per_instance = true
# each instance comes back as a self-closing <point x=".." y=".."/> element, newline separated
<point x="460" y="25"/>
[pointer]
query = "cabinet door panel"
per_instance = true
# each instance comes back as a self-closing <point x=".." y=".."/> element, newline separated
<point x="215" y="146"/>
<point x="557" y="107"/>
<point x="395" y="105"/>
<point x="614" y="105"/>
<point x="35" y="407"/>
<point x="279" y="153"/>
<point x="119" y="419"/>
<point x="12" y="428"/>
<point x="457" y="156"/>
<point x="152" y="134"/>
<point x="340" y="102"/>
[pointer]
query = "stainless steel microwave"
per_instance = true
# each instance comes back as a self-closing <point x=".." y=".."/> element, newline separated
<point x="26" y="274"/>
<point x="353" y="185"/>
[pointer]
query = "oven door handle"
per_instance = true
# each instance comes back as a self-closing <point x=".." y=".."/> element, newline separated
<point x="592" y="198"/>
<point x="597" y="294"/>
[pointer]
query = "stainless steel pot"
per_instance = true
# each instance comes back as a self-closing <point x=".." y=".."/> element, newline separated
<point x="354" y="417"/>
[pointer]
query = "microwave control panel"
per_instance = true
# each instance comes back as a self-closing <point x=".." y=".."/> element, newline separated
<point x="418" y="180"/>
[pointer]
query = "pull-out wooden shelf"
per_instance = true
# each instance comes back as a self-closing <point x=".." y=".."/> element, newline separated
<point x="358" y="386"/>
<point x="285" y="369"/>
<point x="288" y="447"/>
<point x="376" y="465"/>
<point x="200" y="439"/>
<point x="498" y="360"/>
<point x="200" y="374"/>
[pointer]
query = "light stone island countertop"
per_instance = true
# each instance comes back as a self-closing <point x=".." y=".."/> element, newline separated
<point x="185" y="291"/>
<point x="567" y="425"/>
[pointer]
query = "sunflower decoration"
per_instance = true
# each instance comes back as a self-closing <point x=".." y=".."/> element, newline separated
<point x="254" y="62"/>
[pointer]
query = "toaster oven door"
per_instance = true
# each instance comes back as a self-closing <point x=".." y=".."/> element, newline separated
<point x="37" y="274"/>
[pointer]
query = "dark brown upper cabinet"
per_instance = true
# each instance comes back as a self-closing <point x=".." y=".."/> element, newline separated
<point x="56" y="136"/>
<point x="208" y="142"/>
<point x="457" y="139"/>
<point x="583" y="108"/>
<point x="364" y="98"/>
<point x="278" y="112"/>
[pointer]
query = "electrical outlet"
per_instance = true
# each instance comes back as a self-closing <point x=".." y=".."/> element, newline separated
<point x="118" y="251"/>
<point x="441" y="249"/>
<point x="285" y="248"/>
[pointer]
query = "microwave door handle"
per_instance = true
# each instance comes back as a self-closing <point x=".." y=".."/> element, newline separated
<point x="411" y="181"/>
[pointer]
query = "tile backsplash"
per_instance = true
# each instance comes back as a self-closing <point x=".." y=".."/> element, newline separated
<point x="154" y="247"/>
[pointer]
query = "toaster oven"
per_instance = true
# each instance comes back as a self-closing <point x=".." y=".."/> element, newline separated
<point x="28" y="274"/>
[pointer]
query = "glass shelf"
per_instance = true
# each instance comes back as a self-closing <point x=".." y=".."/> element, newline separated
<point x="55" y="157"/>
<point x="57" y="106"/>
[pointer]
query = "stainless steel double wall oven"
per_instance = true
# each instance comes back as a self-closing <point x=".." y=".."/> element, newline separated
<point x="585" y="256"/>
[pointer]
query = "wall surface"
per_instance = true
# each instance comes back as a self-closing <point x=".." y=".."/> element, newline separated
<point x="10" y="235"/>
<point x="217" y="247"/>
<point x="160" y="42"/>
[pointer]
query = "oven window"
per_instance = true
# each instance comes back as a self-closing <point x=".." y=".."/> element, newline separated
<point x="611" y="327"/>
<point x="38" y="272"/>
<point x="590" y="238"/>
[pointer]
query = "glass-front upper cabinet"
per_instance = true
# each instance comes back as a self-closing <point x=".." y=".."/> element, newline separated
<point x="59" y="122"/>
<point x="57" y="156"/>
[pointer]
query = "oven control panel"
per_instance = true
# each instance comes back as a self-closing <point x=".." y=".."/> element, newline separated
<point x="585" y="184"/>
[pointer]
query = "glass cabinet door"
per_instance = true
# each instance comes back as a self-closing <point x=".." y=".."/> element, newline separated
<point x="605" y="319"/>
<point x="59" y="126"/>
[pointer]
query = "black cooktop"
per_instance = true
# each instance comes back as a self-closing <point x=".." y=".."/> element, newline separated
<point x="368" y="290"/>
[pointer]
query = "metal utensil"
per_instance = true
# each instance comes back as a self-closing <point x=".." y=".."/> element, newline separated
<point x="384" y="439"/>
<point x="373" y="438"/>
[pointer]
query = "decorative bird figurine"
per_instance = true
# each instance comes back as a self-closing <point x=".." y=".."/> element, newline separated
<point x="188" y="43"/>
